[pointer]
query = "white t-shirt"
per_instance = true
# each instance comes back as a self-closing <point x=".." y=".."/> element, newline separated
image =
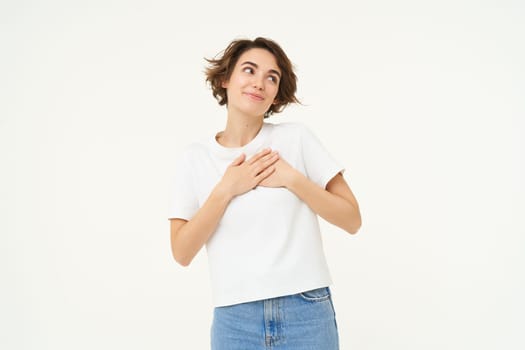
<point x="268" y="242"/>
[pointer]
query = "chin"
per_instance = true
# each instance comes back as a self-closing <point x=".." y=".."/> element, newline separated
<point x="255" y="112"/>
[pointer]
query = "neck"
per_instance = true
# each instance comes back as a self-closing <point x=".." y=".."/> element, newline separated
<point x="240" y="129"/>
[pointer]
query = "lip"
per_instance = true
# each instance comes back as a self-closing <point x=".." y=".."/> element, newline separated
<point x="253" y="96"/>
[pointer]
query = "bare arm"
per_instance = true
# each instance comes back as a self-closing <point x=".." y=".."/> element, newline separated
<point x="336" y="204"/>
<point x="188" y="237"/>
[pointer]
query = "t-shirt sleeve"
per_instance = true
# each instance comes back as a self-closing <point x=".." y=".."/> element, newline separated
<point x="320" y="166"/>
<point x="184" y="201"/>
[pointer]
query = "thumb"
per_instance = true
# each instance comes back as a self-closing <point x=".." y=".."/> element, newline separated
<point x="238" y="160"/>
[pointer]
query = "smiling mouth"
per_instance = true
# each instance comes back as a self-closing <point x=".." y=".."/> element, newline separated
<point x="254" y="96"/>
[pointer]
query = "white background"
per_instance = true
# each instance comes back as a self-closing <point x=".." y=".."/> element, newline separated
<point x="422" y="102"/>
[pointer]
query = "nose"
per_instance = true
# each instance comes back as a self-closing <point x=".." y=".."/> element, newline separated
<point x="258" y="82"/>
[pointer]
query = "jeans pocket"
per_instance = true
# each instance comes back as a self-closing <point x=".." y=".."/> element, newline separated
<point x="316" y="295"/>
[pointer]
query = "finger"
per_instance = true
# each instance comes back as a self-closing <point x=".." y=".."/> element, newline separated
<point x="264" y="163"/>
<point x="272" y="157"/>
<point x="264" y="174"/>
<point x="259" y="155"/>
<point x="238" y="160"/>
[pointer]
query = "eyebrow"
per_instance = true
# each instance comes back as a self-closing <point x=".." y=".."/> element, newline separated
<point x="256" y="66"/>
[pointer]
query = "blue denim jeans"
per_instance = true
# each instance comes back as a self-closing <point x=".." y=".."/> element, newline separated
<point x="304" y="321"/>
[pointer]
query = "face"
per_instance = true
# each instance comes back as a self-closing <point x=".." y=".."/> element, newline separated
<point x="254" y="82"/>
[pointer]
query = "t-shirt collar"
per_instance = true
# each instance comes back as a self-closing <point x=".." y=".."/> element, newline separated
<point x="250" y="148"/>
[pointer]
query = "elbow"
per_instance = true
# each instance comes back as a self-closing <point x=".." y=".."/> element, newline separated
<point x="181" y="255"/>
<point x="183" y="262"/>
<point x="182" y="259"/>
<point x="354" y="225"/>
<point x="353" y="230"/>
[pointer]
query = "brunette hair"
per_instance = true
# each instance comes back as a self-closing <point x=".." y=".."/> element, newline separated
<point x="220" y="70"/>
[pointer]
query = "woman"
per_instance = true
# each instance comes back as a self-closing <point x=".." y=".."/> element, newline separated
<point x="251" y="194"/>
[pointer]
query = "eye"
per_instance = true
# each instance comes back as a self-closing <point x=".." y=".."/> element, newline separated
<point x="273" y="79"/>
<point x="247" y="69"/>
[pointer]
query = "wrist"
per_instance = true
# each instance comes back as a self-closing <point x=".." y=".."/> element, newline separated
<point x="222" y="192"/>
<point x="294" y="178"/>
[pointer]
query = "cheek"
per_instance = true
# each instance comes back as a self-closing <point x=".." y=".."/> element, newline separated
<point x="274" y="90"/>
<point x="242" y="80"/>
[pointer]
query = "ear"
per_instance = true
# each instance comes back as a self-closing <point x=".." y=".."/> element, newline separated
<point x="224" y="84"/>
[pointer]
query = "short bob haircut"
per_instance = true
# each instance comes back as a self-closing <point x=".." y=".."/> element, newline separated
<point x="220" y="70"/>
